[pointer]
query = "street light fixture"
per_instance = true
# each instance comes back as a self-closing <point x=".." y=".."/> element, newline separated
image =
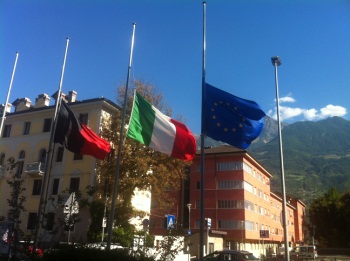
<point x="189" y="229"/>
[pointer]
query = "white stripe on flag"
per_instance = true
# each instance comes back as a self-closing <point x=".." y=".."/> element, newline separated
<point x="164" y="133"/>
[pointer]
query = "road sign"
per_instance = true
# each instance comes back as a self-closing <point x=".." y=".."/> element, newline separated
<point x="189" y="232"/>
<point x="170" y="222"/>
<point x="104" y="222"/>
<point x="264" y="234"/>
<point x="208" y="222"/>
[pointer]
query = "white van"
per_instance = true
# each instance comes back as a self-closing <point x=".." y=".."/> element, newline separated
<point x="303" y="252"/>
<point x="281" y="251"/>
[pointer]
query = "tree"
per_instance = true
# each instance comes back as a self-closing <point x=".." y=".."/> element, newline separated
<point x="329" y="216"/>
<point x="171" y="245"/>
<point x="16" y="201"/>
<point x="141" y="167"/>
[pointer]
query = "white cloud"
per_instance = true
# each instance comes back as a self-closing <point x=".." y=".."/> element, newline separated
<point x="287" y="98"/>
<point x="288" y="113"/>
<point x="310" y="114"/>
<point x="333" y="110"/>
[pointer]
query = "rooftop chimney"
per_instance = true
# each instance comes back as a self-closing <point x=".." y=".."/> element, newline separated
<point x="42" y="100"/>
<point x="72" y="96"/>
<point x="21" y="104"/>
<point x="8" y="108"/>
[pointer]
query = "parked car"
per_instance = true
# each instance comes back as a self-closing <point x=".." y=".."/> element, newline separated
<point x="281" y="251"/>
<point x="230" y="255"/>
<point x="303" y="252"/>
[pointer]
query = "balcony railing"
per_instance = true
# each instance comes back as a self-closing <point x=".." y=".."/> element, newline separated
<point x="35" y="168"/>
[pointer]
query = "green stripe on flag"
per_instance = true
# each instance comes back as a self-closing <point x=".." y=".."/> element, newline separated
<point x="142" y="120"/>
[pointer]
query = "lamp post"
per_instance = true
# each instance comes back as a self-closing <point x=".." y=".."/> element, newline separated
<point x="189" y="229"/>
<point x="276" y="61"/>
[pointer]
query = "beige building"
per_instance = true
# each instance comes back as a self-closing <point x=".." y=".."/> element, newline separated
<point x="25" y="136"/>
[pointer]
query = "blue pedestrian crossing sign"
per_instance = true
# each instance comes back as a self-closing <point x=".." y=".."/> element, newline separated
<point x="170" y="222"/>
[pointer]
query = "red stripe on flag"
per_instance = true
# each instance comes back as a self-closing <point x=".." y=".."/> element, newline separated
<point x="184" y="143"/>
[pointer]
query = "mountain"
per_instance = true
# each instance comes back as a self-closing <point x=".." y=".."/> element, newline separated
<point x="316" y="156"/>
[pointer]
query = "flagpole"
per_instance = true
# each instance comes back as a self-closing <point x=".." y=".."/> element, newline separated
<point x="277" y="62"/>
<point x="116" y="176"/>
<point x="201" y="235"/>
<point x="8" y="93"/>
<point x="49" y="151"/>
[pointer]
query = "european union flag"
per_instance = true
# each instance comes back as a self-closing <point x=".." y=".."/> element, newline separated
<point x="231" y="119"/>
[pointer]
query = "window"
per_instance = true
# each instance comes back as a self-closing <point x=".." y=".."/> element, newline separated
<point x="20" y="162"/>
<point x="55" y="185"/>
<point x="77" y="156"/>
<point x="248" y="205"/>
<point x="247" y="168"/>
<point x="84" y="118"/>
<point x="37" y="187"/>
<point x="230" y="204"/>
<point x="74" y="185"/>
<point x="50" y="218"/>
<point x="47" y="125"/>
<point x="2" y="164"/>
<point x="248" y="187"/>
<point x="230" y="224"/>
<point x="2" y="159"/>
<point x="59" y="155"/>
<point x="235" y="165"/>
<point x="7" y="131"/>
<point x="230" y="184"/>
<point x="31" y="221"/>
<point x="42" y="155"/>
<point x="26" y="128"/>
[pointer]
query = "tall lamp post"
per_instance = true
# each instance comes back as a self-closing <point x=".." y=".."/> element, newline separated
<point x="276" y="61"/>
<point x="189" y="229"/>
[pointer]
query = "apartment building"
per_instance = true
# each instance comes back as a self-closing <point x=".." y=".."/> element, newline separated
<point x="25" y="137"/>
<point x="242" y="211"/>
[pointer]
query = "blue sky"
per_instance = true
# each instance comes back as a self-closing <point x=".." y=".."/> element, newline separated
<point x="311" y="37"/>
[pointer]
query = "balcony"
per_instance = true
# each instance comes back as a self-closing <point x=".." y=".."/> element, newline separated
<point x="35" y="169"/>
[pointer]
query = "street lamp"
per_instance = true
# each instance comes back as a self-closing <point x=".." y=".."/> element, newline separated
<point x="189" y="229"/>
<point x="276" y="61"/>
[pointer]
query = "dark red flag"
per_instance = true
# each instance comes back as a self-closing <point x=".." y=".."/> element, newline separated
<point x="77" y="137"/>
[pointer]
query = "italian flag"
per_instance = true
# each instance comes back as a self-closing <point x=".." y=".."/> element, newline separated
<point x="158" y="131"/>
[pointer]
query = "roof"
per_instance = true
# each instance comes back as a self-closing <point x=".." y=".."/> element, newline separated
<point x="33" y="109"/>
<point x="221" y="150"/>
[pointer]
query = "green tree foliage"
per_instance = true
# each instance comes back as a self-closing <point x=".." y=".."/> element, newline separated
<point x="16" y="201"/>
<point x="171" y="245"/>
<point x="141" y="167"/>
<point x="329" y="215"/>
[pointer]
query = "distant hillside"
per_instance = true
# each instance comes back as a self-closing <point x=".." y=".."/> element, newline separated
<point x="316" y="157"/>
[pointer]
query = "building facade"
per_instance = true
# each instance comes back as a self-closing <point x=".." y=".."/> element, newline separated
<point x="242" y="211"/>
<point x="25" y="137"/>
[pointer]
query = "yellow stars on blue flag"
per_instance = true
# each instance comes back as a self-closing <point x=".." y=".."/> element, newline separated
<point x="231" y="119"/>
